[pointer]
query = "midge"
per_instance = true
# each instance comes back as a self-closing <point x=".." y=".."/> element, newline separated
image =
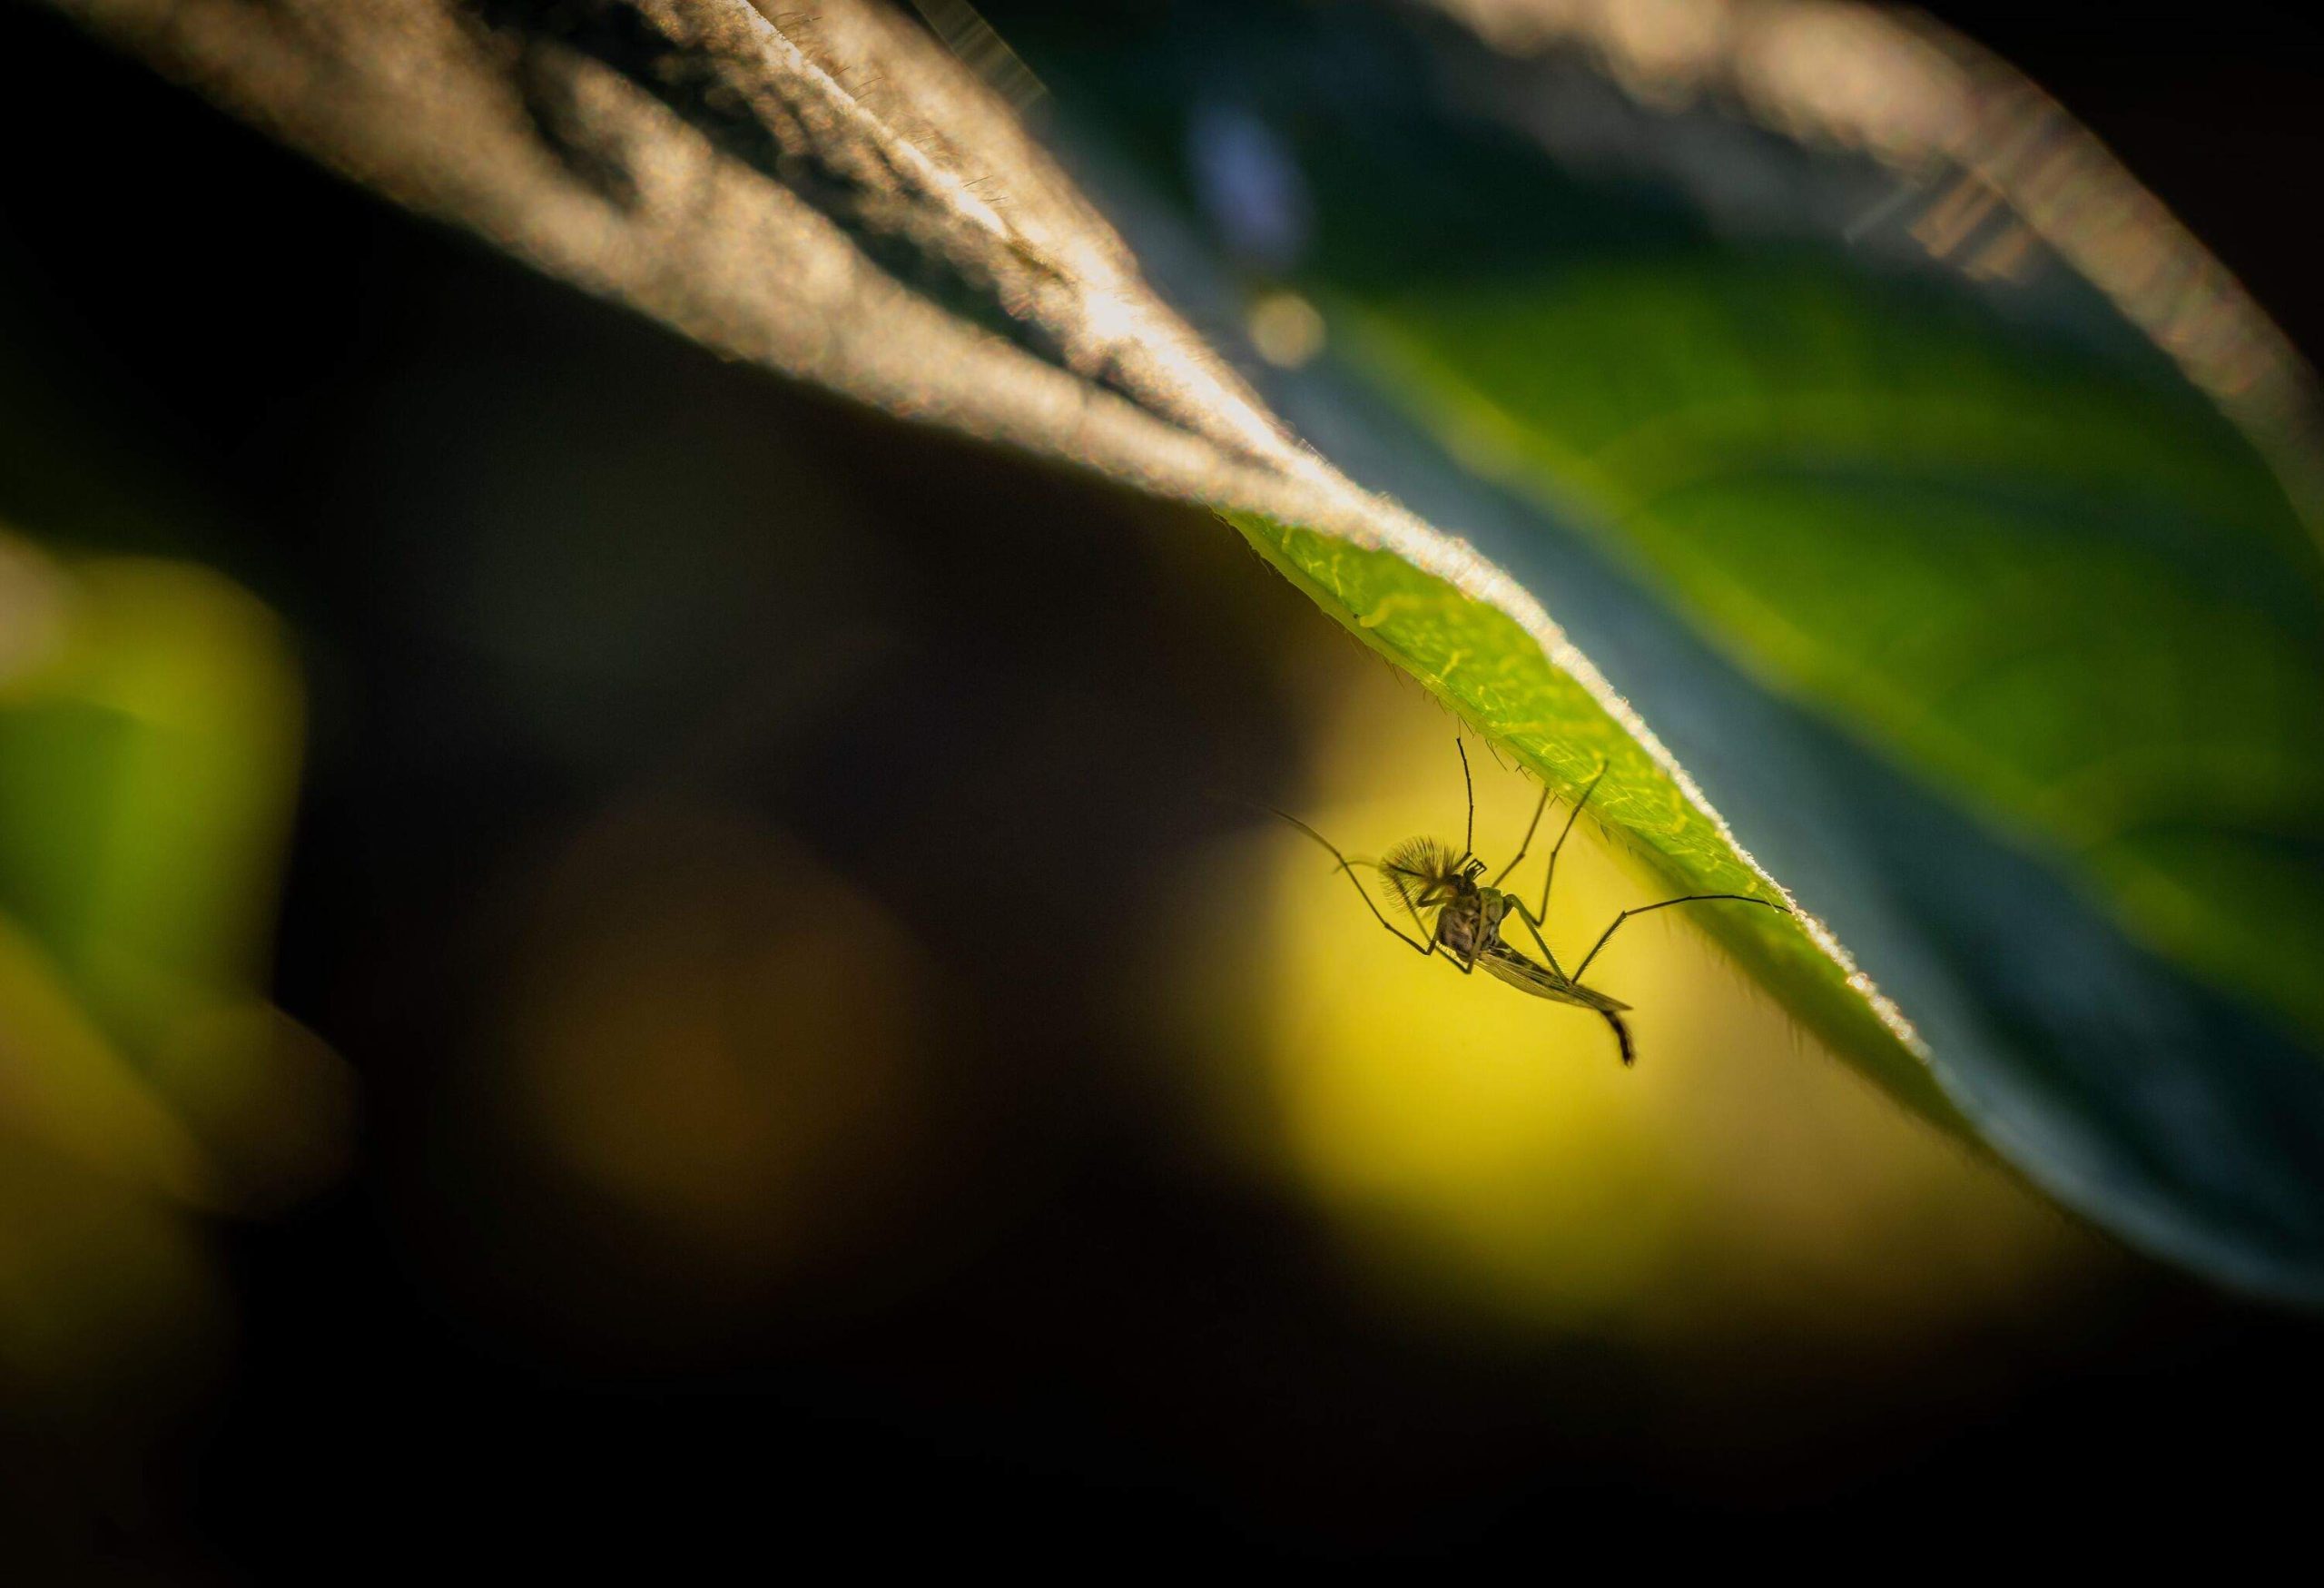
<point x="1460" y="916"/>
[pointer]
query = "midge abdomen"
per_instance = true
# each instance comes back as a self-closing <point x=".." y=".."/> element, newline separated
<point x="1470" y="924"/>
<point x="1464" y="932"/>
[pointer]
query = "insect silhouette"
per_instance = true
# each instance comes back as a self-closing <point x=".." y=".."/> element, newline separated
<point x="1461" y="916"/>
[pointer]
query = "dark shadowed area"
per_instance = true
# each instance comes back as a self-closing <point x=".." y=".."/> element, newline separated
<point x="832" y="1070"/>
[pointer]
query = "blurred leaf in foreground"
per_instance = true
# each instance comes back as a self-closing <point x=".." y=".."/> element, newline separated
<point x="830" y="195"/>
<point x="149" y="726"/>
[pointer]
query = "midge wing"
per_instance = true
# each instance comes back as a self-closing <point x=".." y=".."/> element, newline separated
<point x="1523" y="974"/>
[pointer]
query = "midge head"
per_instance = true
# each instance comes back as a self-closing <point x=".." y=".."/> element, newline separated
<point x="1460" y="916"/>
<point x="1425" y="872"/>
<point x="1421" y="874"/>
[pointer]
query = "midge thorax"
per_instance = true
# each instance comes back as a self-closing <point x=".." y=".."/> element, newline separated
<point x="1461" y="917"/>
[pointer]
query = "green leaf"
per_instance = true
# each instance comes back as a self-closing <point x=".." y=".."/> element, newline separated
<point x="148" y="758"/>
<point x="1991" y="627"/>
<point x="152" y="765"/>
<point x="2080" y="604"/>
<point x="1493" y="671"/>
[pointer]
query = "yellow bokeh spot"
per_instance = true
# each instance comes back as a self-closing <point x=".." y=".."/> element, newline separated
<point x="1485" y="1154"/>
<point x="1285" y="329"/>
<point x="715" y="1031"/>
<point x="1503" y="1124"/>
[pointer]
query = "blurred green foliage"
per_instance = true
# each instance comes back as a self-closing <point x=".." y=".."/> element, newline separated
<point x="149" y="747"/>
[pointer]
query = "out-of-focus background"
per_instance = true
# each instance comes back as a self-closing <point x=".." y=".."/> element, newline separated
<point x="601" y="952"/>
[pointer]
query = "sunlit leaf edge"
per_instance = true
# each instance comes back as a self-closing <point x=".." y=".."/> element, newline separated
<point x="1485" y="665"/>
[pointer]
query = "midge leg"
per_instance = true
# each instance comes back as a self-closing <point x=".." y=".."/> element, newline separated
<point x="1551" y="876"/>
<point x="1349" y="867"/>
<point x="1563" y="834"/>
<point x="1687" y="899"/>
<point x="1523" y="843"/>
<point x="1517" y="908"/>
<point x="1469" y="835"/>
<point x="1466" y="967"/>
